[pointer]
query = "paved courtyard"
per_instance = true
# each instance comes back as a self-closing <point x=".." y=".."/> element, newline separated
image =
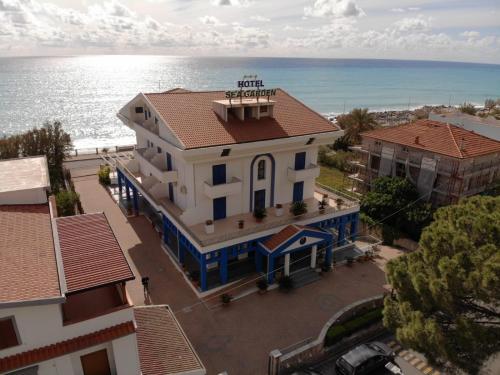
<point x="236" y="338"/>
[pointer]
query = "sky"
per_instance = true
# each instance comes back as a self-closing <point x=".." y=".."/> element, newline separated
<point x="453" y="30"/>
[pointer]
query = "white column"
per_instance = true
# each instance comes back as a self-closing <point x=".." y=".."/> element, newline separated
<point x="287" y="264"/>
<point x="314" y="252"/>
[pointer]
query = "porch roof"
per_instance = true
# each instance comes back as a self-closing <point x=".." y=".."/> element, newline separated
<point x="291" y="233"/>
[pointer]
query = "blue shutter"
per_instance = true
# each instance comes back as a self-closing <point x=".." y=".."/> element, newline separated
<point x="171" y="191"/>
<point x="260" y="199"/>
<point x="300" y="160"/>
<point x="169" y="162"/>
<point x="219" y="208"/>
<point x="298" y="191"/>
<point x="219" y="174"/>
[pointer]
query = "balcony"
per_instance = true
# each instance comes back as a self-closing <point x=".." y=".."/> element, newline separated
<point x="339" y="203"/>
<point x="92" y="303"/>
<point x="234" y="186"/>
<point x="310" y="171"/>
<point x="155" y="164"/>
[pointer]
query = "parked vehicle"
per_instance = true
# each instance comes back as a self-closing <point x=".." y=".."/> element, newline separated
<point x="365" y="359"/>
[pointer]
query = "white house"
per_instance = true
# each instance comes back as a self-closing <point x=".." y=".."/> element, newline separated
<point x="206" y="161"/>
<point x="64" y="308"/>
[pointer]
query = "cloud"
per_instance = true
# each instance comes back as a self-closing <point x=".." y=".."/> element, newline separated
<point x="403" y="10"/>
<point x="238" y="3"/>
<point x="333" y="8"/>
<point x="260" y="18"/>
<point x="471" y="34"/>
<point x="211" y="21"/>
<point x="413" y="24"/>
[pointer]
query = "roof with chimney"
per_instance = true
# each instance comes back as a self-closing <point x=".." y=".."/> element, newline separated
<point x="437" y="137"/>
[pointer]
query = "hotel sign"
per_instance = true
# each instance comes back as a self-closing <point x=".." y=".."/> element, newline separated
<point x="250" y="87"/>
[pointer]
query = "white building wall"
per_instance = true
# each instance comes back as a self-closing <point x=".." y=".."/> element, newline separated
<point x="125" y="355"/>
<point x="28" y="196"/>
<point x="42" y="325"/>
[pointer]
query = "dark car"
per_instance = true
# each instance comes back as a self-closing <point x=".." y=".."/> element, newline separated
<point x="364" y="359"/>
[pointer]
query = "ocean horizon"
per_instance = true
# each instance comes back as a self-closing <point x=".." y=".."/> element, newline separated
<point x="85" y="92"/>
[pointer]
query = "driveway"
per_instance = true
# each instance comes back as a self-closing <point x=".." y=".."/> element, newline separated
<point x="239" y="337"/>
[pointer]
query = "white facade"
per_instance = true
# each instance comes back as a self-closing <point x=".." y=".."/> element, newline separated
<point x="192" y="169"/>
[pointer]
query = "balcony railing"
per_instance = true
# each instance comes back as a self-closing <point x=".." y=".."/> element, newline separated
<point x="234" y="186"/>
<point x="157" y="162"/>
<point x="310" y="171"/>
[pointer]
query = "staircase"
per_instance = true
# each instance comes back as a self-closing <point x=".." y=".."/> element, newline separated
<point x="304" y="276"/>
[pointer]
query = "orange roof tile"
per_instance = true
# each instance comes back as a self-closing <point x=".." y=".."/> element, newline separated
<point x="90" y="253"/>
<point x="28" y="268"/>
<point x="277" y="239"/>
<point x="65" y="347"/>
<point x="191" y="118"/>
<point x="163" y="347"/>
<point x="438" y="137"/>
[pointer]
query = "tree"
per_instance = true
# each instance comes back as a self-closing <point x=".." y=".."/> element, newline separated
<point x="49" y="140"/>
<point x="468" y="108"/>
<point x="395" y="194"/>
<point x="490" y="104"/>
<point x="356" y="122"/>
<point x="66" y="201"/>
<point x="447" y="301"/>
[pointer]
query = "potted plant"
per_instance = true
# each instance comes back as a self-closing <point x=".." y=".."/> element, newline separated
<point x="226" y="299"/>
<point x="325" y="268"/>
<point x="350" y="261"/>
<point x="298" y="208"/>
<point x="322" y="205"/>
<point x="209" y="226"/>
<point x="259" y="213"/>
<point x="286" y="283"/>
<point x="279" y="209"/>
<point x="195" y="276"/>
<point x="241" y="224"/>
<point x="339" y="202"/>
<point x="262" y="285"/>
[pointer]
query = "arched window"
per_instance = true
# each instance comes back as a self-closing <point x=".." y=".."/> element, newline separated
<point x="261" y="170"/>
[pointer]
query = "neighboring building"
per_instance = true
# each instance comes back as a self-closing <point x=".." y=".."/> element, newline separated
<point x="444" y="161"/>
<point x="24" y="180"/>
<point x="201" y="157"/>
<point x="488" y="126"/>
<point x="64" y="308"/>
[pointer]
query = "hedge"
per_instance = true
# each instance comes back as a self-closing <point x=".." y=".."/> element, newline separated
<point x="337" y="332"/>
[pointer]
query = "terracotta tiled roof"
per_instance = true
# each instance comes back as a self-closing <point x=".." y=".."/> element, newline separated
<point x="287" y="232"/>
<point x="28" y="268"/>
<point x="163" y="347"/>
<point x="191" y="118"/>
<point x="437" y="137"/>
<point x="65" y="347"/>
<point x="90" y="252"/>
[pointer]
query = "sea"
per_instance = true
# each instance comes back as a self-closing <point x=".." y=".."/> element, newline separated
<point x="85" y="92"/>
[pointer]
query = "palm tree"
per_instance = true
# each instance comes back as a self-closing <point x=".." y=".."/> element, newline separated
<point x="356" y="122"/>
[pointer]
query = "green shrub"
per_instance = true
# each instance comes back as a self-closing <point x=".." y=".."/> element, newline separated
<point x="298" y="208"/>
<point x="65" y="201"/>
<point x="103" y="174"/>
<point x="335" y="159"/>
<point x="337" y="332"/>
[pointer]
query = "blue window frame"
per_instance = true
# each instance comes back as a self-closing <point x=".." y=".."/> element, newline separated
<point x="260" y="199"/>
<point x="169" y="162"/>
<point x="300" y="160"/>
<point x="298" y="191"/>
<point x="219" y="174"/>
<point x="219" y="208"/>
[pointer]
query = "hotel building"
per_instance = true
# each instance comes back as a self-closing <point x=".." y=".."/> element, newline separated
<point x="446" y="162"/>
<point x="205" y="161"/>
<point x="64" y="308"/>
